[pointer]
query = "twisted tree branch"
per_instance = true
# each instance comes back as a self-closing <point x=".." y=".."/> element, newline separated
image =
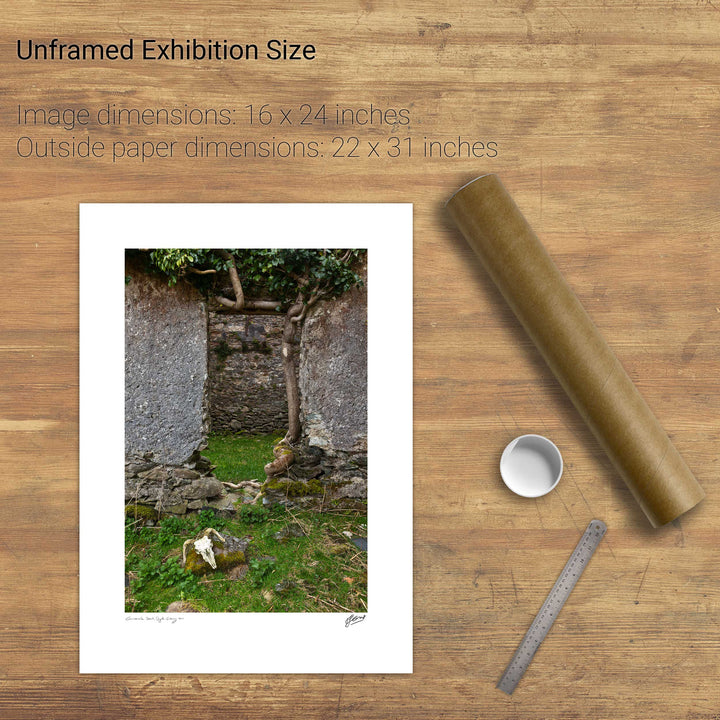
<point x="239" y="303"/>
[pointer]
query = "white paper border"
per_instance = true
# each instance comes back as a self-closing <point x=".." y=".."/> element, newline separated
<point x="113" y="641"/>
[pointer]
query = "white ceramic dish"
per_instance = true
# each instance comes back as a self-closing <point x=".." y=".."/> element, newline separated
<point x="531" y="466"/>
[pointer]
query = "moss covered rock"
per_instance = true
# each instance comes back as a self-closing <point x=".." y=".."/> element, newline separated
<point x="287" y="487"/>
<point x="284" y="458"/>
<point x="228" y="554"/>
<point x="144" y="513"/>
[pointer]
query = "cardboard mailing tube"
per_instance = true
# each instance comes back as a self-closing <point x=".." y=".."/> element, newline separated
<point x="574" y="349"/>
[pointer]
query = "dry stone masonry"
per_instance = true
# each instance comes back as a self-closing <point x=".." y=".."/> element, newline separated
<point x="172" y="488"/>
<point x="247" y="386"/>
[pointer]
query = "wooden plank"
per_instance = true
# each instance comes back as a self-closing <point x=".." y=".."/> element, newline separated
<point x="606" y="120"/>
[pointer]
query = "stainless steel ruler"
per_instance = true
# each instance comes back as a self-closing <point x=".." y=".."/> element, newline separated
<point x="553" y="604"/>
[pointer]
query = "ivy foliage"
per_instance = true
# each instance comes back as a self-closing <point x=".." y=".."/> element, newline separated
<point x="175" y="262"/>
<point x="280" y="274"/>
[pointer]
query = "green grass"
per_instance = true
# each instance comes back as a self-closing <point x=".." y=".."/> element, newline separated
<point x="326" y="572"/>
<point x="241" y="457"/>
<point x="321" y="569"/>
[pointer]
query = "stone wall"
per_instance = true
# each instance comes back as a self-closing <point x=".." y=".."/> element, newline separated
<point x="333" y="373"/>
<point x="167" y="362"/>
<point x="165" y="369"/>
<point x="333" y="384"/>
<point x="247" y="385"/>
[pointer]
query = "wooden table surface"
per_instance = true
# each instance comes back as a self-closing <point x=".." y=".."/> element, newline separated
<point x="606" y="119"/>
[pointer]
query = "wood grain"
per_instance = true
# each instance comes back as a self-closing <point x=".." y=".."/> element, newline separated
<point x="606" y="118"/>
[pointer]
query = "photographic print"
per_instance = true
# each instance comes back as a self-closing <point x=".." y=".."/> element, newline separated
<point x="246" y="430"/>
<point x="251" y="411"/>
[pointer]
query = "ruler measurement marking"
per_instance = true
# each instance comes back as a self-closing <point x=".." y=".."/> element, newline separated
<point x="550" y="609"/>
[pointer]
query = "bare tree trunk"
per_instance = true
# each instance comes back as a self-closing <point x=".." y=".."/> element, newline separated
<point x="289" y="361"/>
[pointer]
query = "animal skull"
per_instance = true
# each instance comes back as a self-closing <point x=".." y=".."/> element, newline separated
<point x="204" y="546"/>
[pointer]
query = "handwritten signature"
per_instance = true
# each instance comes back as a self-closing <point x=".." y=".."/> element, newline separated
<point x="353" y="620"/>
